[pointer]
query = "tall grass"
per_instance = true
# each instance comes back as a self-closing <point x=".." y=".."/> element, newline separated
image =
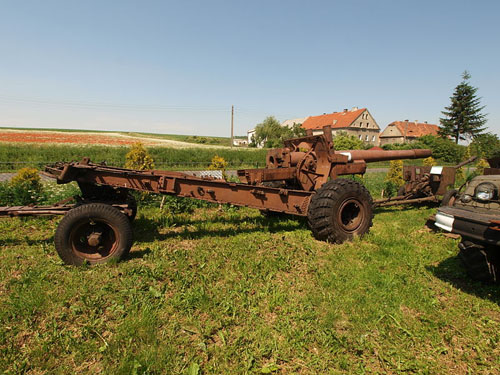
<point x="13" y="157"/>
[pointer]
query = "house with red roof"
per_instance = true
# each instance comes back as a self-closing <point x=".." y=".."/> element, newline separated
<point x="357" y="122"/>
<point x="406" y="131"/>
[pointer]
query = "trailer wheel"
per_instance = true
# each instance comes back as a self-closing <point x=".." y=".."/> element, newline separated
<point x="449" y="197"/>
<point x="340" y="210"/>
<point x="93" y="233"/>
<point x="479" y="262"/>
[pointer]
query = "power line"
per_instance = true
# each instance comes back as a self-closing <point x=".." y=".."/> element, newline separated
<point x="84" y="104"/>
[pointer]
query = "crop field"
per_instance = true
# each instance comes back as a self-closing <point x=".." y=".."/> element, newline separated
<point x="82" y="137"/>
<point x="213" y="289"/>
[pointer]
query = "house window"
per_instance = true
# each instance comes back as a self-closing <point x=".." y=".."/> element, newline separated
<point x="360" y="124"/>
<point x="360" y="137"/>
<point x="366" y="138"/>
<point x="373" y="138"/>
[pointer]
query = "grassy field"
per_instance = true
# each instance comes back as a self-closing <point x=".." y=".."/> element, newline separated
<point x="223" y="290"/>
<point x="16" y="156"/>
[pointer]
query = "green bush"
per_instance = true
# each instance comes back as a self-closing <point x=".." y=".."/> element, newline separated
<point x="443" y="149"/>
<point x="219" y="164"/>
<point x="138" y="158"/>
<point x="394" y="178"/>
<point x="486" y="145"/>
<point x="344" y="141"/>
<point x="24" y="188"/>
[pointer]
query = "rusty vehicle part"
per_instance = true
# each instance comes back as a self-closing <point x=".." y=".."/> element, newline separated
<point x="475" y="216"/>
<point x="424" y="184"/>
<point x="300" y="179"/>
<point x="95" y="233"/>
<point x="340" y="210"/>
<point x="307" y="163"/>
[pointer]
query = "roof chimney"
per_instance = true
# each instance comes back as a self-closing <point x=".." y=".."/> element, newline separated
<point x="354" y="109"/>
<point x="345" y="109"/>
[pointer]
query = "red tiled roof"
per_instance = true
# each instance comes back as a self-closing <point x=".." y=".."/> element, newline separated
<point x="335" y="120"/>
<point x="416" y="129"/>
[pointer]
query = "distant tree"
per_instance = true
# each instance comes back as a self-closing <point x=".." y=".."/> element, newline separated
<point x="463" y="117"/>
<point x="271" y="134"/>
<point x="295" y="131"/>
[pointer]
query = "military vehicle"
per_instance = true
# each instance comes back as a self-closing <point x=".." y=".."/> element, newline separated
<point x="474" y="214"/>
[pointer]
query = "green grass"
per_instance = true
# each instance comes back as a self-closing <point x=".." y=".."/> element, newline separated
<point x="227" y="291"/>
<point x="16" y="156"/>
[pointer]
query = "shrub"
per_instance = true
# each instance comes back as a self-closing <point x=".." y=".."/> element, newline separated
<point x="24" y="188"/>
<point x="480" y="165"/>
<point x="394" y="178"/>
<point x="485" y="145"/>
<point x="138" y="158"/>
<point x="344" y="141"/>
<point x="219" y="163"/>
<point x="429" y="162"/>
<point x="443" y="149"/>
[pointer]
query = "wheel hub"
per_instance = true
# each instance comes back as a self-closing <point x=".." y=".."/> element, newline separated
<point x="94" y="239"/>
<point x="350" y="215"/>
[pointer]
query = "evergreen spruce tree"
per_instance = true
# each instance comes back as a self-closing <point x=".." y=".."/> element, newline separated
<point x="463" y="117"/>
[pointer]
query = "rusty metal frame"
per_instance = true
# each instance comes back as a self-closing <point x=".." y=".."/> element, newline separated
<point x="288" y="201"/>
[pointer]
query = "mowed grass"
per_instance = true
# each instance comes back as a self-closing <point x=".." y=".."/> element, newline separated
<point x="224" y="290"/>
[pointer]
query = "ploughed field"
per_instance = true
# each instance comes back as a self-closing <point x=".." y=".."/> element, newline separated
<point x="225" y="290"/>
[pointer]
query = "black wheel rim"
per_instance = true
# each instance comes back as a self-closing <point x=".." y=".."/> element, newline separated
<point x="350" y="215"/>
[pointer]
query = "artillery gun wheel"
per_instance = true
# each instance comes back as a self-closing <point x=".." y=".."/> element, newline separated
<point x="340" y="210"/>
<point x="93" y="233"/>
<point x="449" y="197"/>
<point x="479" y="262"/>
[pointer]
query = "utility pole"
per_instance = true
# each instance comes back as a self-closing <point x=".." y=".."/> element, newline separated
<point x="406" y="131"/>
<point x="232" y="125"/>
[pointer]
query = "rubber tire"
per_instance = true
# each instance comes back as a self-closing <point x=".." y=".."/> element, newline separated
<point x="94" y="211"/>
<point x="325" y="205"/>
<point x="479" y="262"/>
<point x="449" y="195"/>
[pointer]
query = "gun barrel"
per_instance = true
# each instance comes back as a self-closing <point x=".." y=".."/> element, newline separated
<point x="371" y="156"/>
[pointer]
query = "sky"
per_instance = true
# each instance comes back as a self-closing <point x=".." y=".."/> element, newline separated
<point x="176" y="67"/>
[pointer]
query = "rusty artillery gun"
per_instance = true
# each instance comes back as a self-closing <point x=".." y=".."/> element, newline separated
<point x="300" y="179"/>
<point x="429" y="184"/>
